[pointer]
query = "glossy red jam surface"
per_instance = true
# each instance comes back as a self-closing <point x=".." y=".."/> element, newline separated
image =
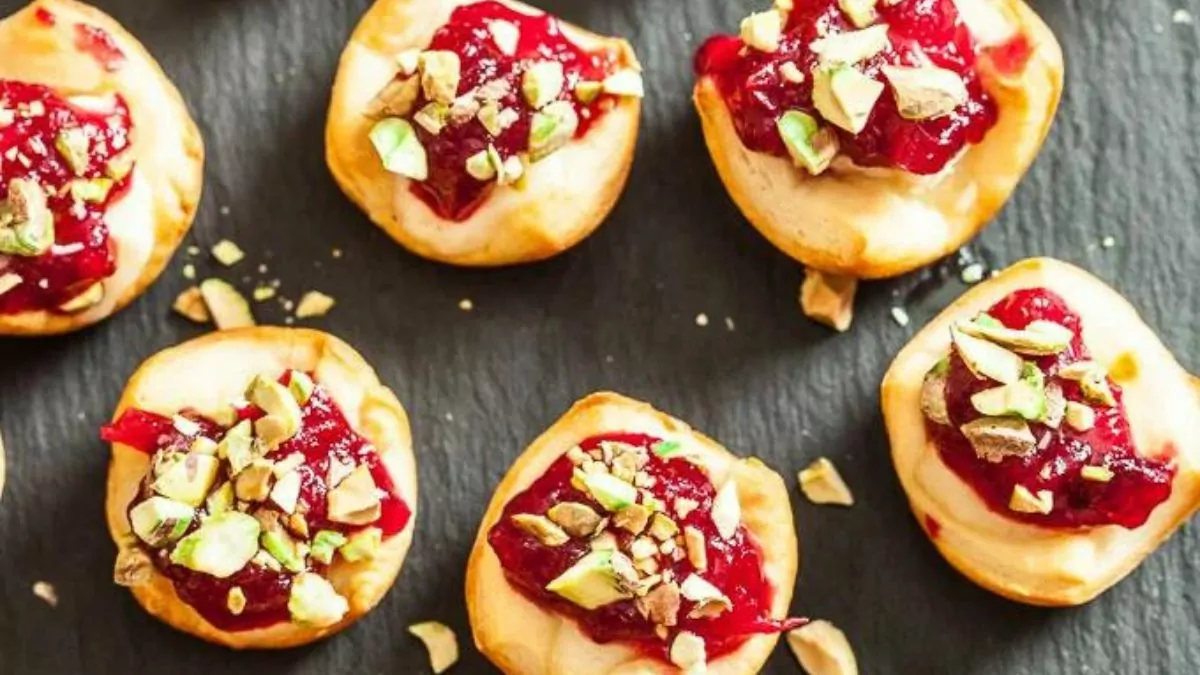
<point x="734" y="566"/>
<point x="1139" y="483"/>
<point x="100" y="45"/>
<point x="920" y="31"/>
<point x="82" y="253"/>
<point x="450" y="190"/>
<point x="325" y="435"/>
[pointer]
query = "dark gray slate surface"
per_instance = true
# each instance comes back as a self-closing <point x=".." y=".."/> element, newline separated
<point x="617" y="312"/>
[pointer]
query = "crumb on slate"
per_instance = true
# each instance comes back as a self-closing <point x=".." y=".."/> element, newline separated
<point x="46" y="592"/>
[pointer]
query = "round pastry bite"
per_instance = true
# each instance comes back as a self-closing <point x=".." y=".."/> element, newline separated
<point x="262" y="487"/>
<point x="624" y="541"/>
<point x="868" y="138"/>
<point x="100" y="168"/>
<point x="482" y="133"/>
<point x="1046" y="438"/>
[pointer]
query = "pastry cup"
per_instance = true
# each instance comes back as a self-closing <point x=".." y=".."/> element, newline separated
<point x="564" y="197"/>
<point x="522" y="638"/>
<point x="876" y="222"/>
<point x="148" y="223"/>
<point x="1026" y="563"/>
<point x="207" y="373"/>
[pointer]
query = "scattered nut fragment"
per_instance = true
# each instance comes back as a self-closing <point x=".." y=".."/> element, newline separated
<point x="994" y="438"/>
<point x="828" y="298"/>
<point x="822" y="649"/>
<point x="697" y="551"/>
<point x="688" y="652"/>
<point x="541" y="528"/>
<point x="133" y="567"/>
<point x="727" y="510"/>
<point x="440" y="641"/>
<point x="577" y="520"/>
<point x="190" y="305"/>
<point x="1079" y="416"/>
<point x="227" y="253"/>
<point x="46" y="592"/>
<point x="314" y="304"/>
<point x="661" y="605"/>
<point x="762" y="30"/>
<point x="227" y="306"/>
<point x="822" y="484"/>
<point x="1025" y="501"/>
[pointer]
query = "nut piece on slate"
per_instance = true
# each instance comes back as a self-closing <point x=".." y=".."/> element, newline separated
<point x="828" y="298"/>
<point x="822" y="484"/>
<point x="441" y="643"/>
<point x="822" y="649"/>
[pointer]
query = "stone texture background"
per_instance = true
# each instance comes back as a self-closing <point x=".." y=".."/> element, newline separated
<point x="617" y="312"/>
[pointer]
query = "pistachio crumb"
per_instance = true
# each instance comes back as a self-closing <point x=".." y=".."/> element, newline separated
<point x="46" y="592"/>
<point x="263" y="293"/>
<point x="441" y="643"/>
<point x="190" y="305"/>
<point x="314" y="304"/>
<point x="466" y="305"/>
<point x="1099" y="474"/>
<point x="1108" y="242"/>
<point x="227" y="253"/>
<point x="972" y="274"/>
<point x="762" y="30"/>
<point x="900" y="316"/>
<point x="702" y="319"/>
<point x="822" y="484"/>
<point x="1025" y="501"/>
<point x="822" y="649"/>
<point x="828" y="298"/>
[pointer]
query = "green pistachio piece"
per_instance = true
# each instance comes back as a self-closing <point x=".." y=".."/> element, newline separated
<point x="586" y="91"/>
<point x="624" y="82"/>
<point x="9" y="281"/>
<point x="26" y="223"/>
<point x="810" y="146"/>
<point x="985" y="359"/>
<point x="845" y="97"/>
<point x="762" y="30"/>
<point x="88" y="298"/>
<point x="933" y="397"/>
<point x="286" y="550"/>
<point x="301" y="386"/>
<point x="227" y="307"/>
<point x="314" y="602"/>
<point x="667" y="449"/>
<point x="484" y="165"/>
<point x="220" y="500"/>
<point x="1079" y="416"/>
<point x="995" y="438"/>
<point x="221" y="547"/>
<point x="397" y="144"/>
<point x="599" y="578"/>
<point x="325" y="544"/>
<point x="237" y="447"/>
<point x="1039" y="338"/>
<point x="283" y="417"/>
<point x="189" y="480"/>
<point x="551" y="128"/>
<point x="92" y="190"/>
<point x="74" y="147"/>
<point x="118" y="167"/>
<point x="362" y="545"/>
<point x="542" y="82"/>
<point x="441" y="72"/>
<point x="861" y="12"/>
<point x="926" y="92"/>
<point x="851" y="47"/>
<point x="1023" y="500"/>
<point x="158" y="521"/>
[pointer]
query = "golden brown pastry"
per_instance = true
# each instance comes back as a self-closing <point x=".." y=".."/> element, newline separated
<point x="100" y="168"/>
<point x="262" y="487"/>
<point x="1046" y="438"/>
<point x="622" y="541"/>
<point x="453" y="130"/>
<point x="868" y="138"/>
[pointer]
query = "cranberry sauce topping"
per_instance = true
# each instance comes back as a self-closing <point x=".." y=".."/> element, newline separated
<point x="760" y="86"/>
<point x="495" y="46"/>
<point x="1079" y="474"/>
<point x="78" y="158"/>
<point x="684" y="496"/>
<point x="324" y="453"/>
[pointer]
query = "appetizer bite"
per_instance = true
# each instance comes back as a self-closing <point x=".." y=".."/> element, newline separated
<point x="100" y="168"/>
<point x="482" y="133"/>
<point x="868" y="138"/>
<point x="623" y="541"/>
<point x="262" y="487"/>
<point x="1046" y="438"/>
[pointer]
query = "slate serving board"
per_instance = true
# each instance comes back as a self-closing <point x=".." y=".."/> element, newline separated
<point x="617" y="312"/>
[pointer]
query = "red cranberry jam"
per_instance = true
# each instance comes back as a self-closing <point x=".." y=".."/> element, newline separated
<point x="1083" y="470"/>
<point x="760" y="86"/>
<point x="79" y="160"/>
<point x="677" y="490"/>
<point x="495" y="47"/>
<point x="324" y="439"/>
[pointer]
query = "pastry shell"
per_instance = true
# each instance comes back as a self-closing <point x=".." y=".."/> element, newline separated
<point x="562" y="199"/>
<point x="206" y="374"/>
<point x="877" y="222"/>
<point x="522" y="638"/>
<point x="1026" y="563"/>
<point x="148" y="223"/>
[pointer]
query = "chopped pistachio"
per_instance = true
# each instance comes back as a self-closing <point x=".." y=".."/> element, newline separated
<point x="1039" y="338"/>
<point x="314" y="304"/>
<point x="632" y="518"/>
<point x="74" y="146"/>
<point x="227" y="307"/>
<point x="828" y="298"/>
<point x="1099" y="474"/>
<point x="577" y="520"/>
<point x="355" y="500"/>
<point x="440" y="642"/>
<point x="409" y="61"/>
<point x="661" y="605"/>
<point x="697" y="547"/>
<point x="396" y="99"/>
<point x="91" y="190"/>
<point x="85" y="300"/>
<point x="542" y="529"/>
<point x="440" y="75"/>
<point x="542" y="82"/>
<point x="191" y="305"/>
<point x="995" y="438"/>
<point x="119" y="166"/>
<point x="926" y="92"/>
<point x="237" y="447"/>
<point x="762" y="30"/>
<point x="551" y="128"/>
<point x="662" y="527"/>
<point x="727" y="510"/>
<point x="398" y="147"/>
<point x="586" y="91"/>
<point x="253" y="484"/>
<point x="433" y="117"/>
<point x="301" y="386"/>
<point x="790" y="72"/>
<point x="314" y="602"/>
<point x="1025" y="501"/>
<point x="235" y="601"/>
<point x="464" y="109"/>
<point x="338" y="471"/>
<point x="933" y="397"/>
<point x="325" y="544"/>
<point x="684" y="506"/>
<point x="9" y="281"/>
<point x="512" y="170"/>
<point x="482" y="165"/>
<point x="220" y="500"/>
<point x="283" y="417"/>
<point x="506" y="35"/>
<point x="1079" y="416"/>
<point x="688" y="652"/>
<point x="133" y="568"/>
<point x="286" y="492"/>
<point x="845" y="97"/>
<point x="810" y="145"/>
<point x="26" y="223"/>
<point x="861" y="12"/>
<point x="822" y="649"/>
<point x="227" y="253"/>
<point x="853" y="46"/>
<point x="46" y="593"/>
<point x="986" y="359"/>
<point x="1056" y="406"/>
<point x="624" y="82"/>
<point x="822" y="484"/>
<point x="710" y="601"/>
<point x="362" y="545"/>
